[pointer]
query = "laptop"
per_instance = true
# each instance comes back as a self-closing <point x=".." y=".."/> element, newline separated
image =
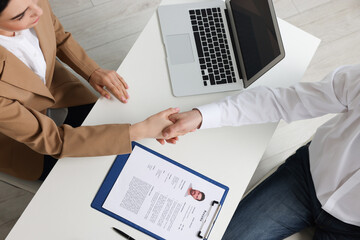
<point x="217" y="46"/>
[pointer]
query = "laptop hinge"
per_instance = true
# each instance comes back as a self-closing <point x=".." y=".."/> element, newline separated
<point x="233" y="44"/>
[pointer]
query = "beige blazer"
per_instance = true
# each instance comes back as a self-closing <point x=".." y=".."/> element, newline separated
<point x="26" y="133"/>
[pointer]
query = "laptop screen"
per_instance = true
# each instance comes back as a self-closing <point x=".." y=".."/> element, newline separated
<point x="257" y="33"/>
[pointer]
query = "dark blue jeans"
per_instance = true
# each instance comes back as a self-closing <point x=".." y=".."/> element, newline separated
<point x="286" y="203"/>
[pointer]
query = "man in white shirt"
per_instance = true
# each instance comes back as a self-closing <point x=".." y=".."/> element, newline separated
<point x="320" y="184"/>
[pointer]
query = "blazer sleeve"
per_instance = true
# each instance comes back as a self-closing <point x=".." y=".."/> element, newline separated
<point x="70" y="52"/>
<point x="41" y="134"/>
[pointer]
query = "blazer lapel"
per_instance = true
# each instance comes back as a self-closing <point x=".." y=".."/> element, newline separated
<point x="48" y="46"/>
<point x="16" y="73"/>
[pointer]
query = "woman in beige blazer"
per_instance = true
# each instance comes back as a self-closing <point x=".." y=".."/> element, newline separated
<point x="26" y="132"/>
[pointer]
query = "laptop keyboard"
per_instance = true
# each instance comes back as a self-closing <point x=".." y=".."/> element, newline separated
<point x="212" y="46"/>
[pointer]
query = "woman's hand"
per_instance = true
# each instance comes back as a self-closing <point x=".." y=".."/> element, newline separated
<point x="112" y="81"/>
<point x="153" y="126"/>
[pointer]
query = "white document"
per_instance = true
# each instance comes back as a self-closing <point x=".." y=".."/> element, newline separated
<point x="162" y="197"/>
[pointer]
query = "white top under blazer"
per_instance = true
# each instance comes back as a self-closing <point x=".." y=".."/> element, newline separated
<point x="25" y="46"/>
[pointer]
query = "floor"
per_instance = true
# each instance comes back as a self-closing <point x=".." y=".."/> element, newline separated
<point x="108" y="28"/>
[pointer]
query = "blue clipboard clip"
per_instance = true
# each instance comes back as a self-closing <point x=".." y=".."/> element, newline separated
<point x="209" y="221"/>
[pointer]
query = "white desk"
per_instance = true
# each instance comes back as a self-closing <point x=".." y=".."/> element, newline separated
<point x="61" y="208"/>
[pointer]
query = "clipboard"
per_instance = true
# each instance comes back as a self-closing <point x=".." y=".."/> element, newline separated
<point x="115" y="171"/>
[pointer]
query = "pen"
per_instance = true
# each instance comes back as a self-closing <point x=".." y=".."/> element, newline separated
<point x="123" y="234"/>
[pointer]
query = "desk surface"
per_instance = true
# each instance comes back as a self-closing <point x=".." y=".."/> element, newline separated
<point x="61" y="208"/>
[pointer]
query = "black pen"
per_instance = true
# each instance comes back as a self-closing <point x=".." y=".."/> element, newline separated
<point x="123" y="234"/>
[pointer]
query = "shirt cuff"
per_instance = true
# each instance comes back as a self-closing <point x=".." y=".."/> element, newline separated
<point x="211" y="116"/>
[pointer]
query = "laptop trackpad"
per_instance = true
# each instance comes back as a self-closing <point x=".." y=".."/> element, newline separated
<point x="179" y="49"/>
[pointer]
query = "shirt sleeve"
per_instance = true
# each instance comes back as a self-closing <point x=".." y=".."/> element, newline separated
<point x="337" y="92"/>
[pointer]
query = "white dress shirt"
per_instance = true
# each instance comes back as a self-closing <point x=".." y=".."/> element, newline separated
<point x="335" y="149"/>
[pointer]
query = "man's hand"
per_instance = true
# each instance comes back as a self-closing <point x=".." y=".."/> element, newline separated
<point x="112" y="81"/>
<point x="183" y="123"/>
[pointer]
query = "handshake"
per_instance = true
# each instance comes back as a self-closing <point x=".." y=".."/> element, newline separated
<point x="166" y="126"/>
